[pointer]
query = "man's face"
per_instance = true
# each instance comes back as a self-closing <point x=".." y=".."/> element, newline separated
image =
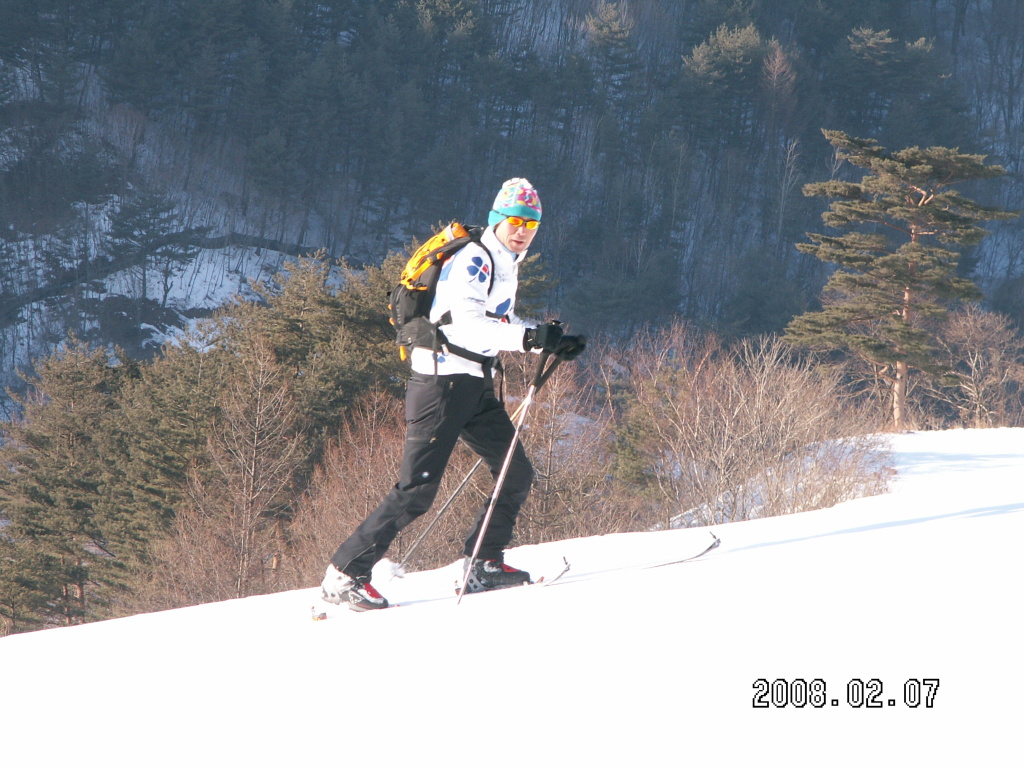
<point x="514" y="235"/>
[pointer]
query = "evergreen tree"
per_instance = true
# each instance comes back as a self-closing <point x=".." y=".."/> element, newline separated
<point x="28" y="582"/>
<point x="617" y="68"/>
<point x="895" y="91"/>
<point x="75" y="528"/>
<point x="147" y="241"/>
<point x="327" y="328"/>
<point x="166" y="412"/>
<point x="136" y="72"/>
<point x="894" y="272"/>
<point x="723" y="76"/>
<point x="146" y="236"/>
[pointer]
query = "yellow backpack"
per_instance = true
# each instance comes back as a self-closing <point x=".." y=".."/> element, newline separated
<point x="410" y="301"/>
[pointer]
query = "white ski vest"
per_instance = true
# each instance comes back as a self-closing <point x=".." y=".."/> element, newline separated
<point x="462" y="290"/>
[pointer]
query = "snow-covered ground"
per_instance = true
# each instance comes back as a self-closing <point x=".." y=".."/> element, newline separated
<point x="613" y="667"/>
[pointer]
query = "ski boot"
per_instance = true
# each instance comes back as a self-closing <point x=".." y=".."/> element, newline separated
<point x="494" y="574"/>
<point x="358" y="594"/>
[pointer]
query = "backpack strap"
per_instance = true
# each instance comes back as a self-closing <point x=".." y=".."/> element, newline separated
<point x="455" y="349"/>
<point x="487" y="361"/>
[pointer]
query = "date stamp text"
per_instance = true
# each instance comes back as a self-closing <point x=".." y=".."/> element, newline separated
<point x="855" y="694"/>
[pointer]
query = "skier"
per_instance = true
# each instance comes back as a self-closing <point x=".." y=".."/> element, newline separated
<point x="451" y="395"/>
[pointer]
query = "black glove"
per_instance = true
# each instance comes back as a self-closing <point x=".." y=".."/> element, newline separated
<point x="544" y="337"/>
<point x="571" y="347"/>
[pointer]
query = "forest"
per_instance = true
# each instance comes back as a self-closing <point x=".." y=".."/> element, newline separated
<point x="670" y="140"/>
<point x="785" y="225"/>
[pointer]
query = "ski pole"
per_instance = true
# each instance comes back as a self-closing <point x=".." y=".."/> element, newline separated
<point x="445" y="506"/>
<point x="539" y="378"/>
<point x="441" y="511"/>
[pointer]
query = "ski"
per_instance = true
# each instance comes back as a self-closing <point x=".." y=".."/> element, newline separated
<point x="562" y="577"/>
<point x="326" y="610"/>
<point x="715" y="543"/>
<point x="542" y="581"/>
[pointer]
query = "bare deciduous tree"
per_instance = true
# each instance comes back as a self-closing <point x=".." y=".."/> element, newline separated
<point x="983" y="355"/>
<point x="567" y="437"/>
<point x="230" y="537"/>
<point x="726" y="435"/>
<point x="358" y="468"/>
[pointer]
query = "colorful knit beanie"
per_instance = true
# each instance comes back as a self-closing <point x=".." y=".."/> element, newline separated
<point x="516" y="198"/>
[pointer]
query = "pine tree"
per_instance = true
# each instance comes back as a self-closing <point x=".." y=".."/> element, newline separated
<point x="27" y="585"/>
<point x="166" y="412"/>
<point x="147" y="241"/>
<point x="724" y="75"/>
<point x="333" y="339"/>
<point x="147" y="236"/>
<point x="75" y="527"/>
<point x="616" y="62"/>
<point x="894" y="272"/>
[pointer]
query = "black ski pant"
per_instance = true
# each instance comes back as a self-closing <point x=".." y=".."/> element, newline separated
<point x="438" y="411"/>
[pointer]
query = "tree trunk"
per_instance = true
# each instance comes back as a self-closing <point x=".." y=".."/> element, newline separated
<point x="899" y="396"/>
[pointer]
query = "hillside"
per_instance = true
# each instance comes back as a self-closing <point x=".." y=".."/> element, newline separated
<point x="619" y="665"/>
<point x="155" y="156"/>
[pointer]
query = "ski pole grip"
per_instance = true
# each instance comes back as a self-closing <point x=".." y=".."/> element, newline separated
<point x="544" y="369"/>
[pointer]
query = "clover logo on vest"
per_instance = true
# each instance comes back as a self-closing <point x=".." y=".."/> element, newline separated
<point x="479" y="269"/>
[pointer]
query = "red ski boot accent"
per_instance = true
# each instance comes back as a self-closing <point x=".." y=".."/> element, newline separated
<point x="494" y="574"/>
<point x="358" y="594"/>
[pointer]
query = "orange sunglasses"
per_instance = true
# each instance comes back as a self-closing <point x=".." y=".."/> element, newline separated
<point x="519" y="221"/>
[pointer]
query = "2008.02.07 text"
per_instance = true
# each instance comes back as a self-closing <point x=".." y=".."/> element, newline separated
<point x="800" y="693"/>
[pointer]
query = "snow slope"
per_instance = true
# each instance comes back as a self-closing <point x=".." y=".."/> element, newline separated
<point x="618" y="667"/>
